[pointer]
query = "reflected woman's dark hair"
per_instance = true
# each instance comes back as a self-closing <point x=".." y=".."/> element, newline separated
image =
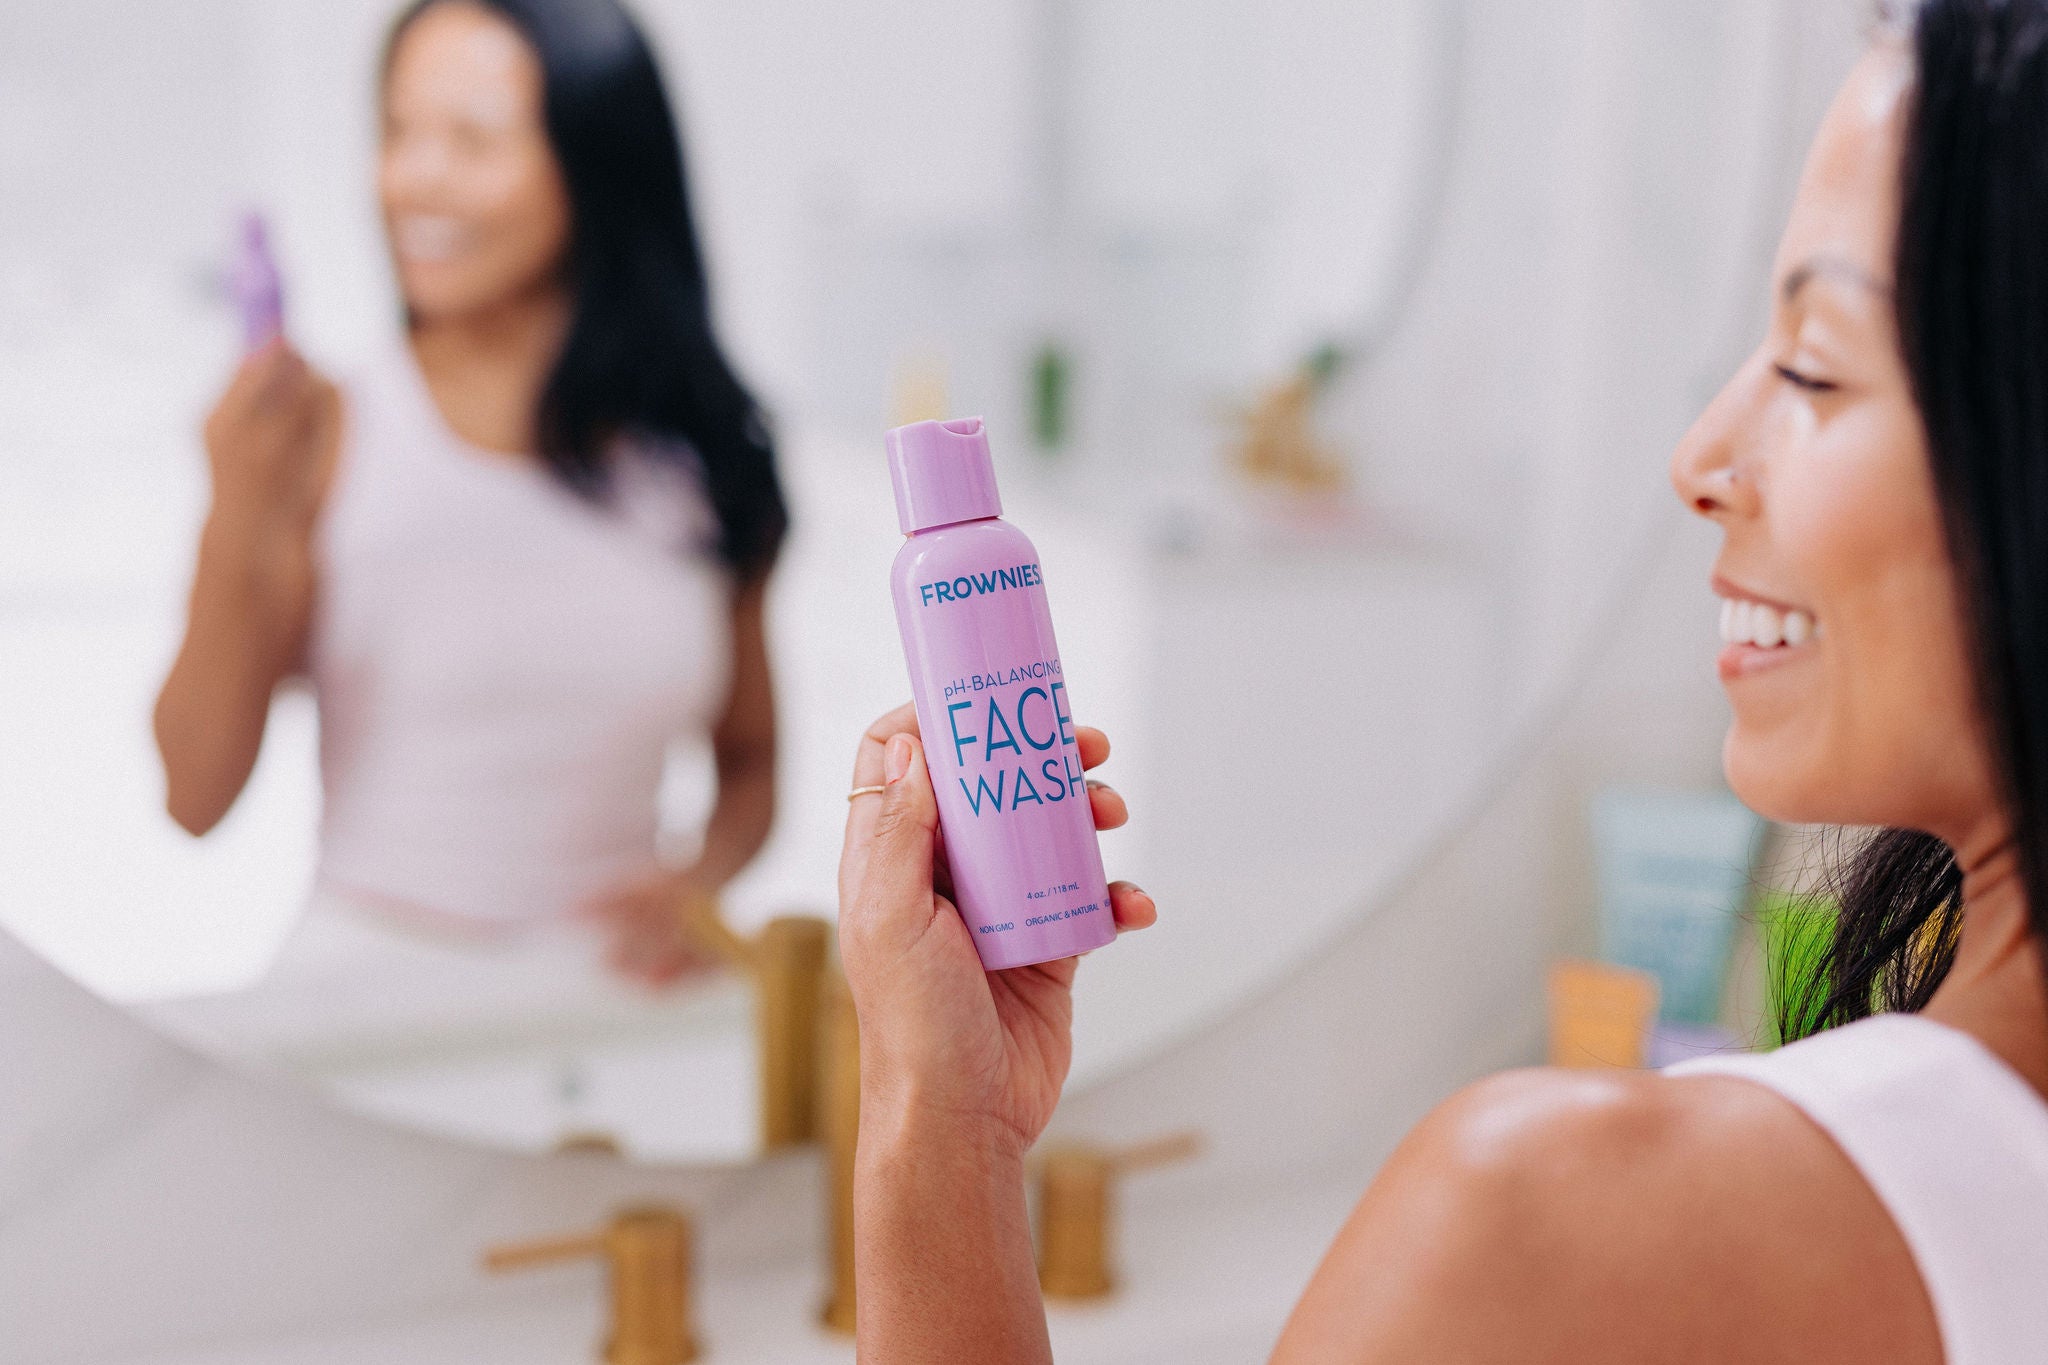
<point x="641" y="358"/>
<point x="1972" y="303"/>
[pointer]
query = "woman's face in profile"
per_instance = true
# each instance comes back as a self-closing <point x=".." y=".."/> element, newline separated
<point x="473" y="199"/>
<point x="1844" y="655"/>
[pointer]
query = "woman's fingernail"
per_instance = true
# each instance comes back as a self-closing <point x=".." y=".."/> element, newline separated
<point x="896" y="760"/>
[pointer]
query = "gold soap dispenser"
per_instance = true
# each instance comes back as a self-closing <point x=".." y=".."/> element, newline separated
<point x="648" y="1251"/>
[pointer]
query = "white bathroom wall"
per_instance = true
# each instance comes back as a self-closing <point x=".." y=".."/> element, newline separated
<point x="112" y="115"/>
<point x="1308" y="134"/>
<point x="1618" y="171"/>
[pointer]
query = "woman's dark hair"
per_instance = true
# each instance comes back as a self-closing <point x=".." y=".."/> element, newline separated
<point x="1972" y="301"/>
<point x="640" y="359"/>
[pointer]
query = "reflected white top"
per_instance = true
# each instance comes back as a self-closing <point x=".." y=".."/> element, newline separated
<point x="1955" y="1146"/>
<point x="500" y="664"/>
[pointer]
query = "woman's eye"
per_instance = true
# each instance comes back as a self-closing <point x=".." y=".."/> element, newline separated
<point x="1808" y="382"/>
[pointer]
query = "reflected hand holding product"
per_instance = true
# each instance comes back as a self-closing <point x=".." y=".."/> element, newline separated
<point x="654" y="924"/>
<point x="993" y="706"/>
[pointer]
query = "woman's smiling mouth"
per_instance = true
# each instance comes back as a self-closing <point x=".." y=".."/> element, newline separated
<point x="1757" y="634"/>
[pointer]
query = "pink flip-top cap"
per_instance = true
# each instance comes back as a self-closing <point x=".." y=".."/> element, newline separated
<point x="942" y="472"/>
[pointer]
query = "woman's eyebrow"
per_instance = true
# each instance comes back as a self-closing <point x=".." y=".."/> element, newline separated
<point x="1834" y="267"/>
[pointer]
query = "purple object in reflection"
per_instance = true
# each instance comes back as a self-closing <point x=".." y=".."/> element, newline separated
<point x="993" y="706"/>
<point x="254" y="282"/>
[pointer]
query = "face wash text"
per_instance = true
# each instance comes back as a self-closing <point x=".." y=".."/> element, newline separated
<point x="1019" y="713"/>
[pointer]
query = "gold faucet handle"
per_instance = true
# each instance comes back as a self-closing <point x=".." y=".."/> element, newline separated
<point x="648" y="1252"/>
<point x="543" y="1251"/>
<point x="1165" y="1150"/>
<point x="1168" y="1150"/>
<point x="1077" y="1206"/>
<point x="698" y="910"/>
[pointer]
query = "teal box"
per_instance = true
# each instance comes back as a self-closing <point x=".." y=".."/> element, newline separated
<point x="1674" y="873"/>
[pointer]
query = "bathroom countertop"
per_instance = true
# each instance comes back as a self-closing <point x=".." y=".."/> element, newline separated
<point x="1207" y="1278"/>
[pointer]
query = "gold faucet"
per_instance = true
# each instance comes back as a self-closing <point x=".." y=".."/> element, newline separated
<point x="809" y="1042"/>
<point x="1280" y="445"/>
<point x="786" y="962"/>
<point x="648" y="1250"/>
<point x="1076" y="1208"/>
<point x="839" y="1127"/>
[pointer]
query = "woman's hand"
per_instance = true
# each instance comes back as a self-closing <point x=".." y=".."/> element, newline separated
<point x="271" y="444"/>
<point x="987" y="1049"/>
<point x="648" y="921"/>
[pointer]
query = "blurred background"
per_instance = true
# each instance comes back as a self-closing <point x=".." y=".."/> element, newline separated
<point x="1114" y="229"/>
<point x="1332" y="352"/>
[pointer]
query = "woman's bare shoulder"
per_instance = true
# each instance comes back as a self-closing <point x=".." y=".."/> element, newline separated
<point x="1601" y="1216"/>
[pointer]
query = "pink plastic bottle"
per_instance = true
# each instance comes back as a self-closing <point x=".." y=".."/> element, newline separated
<point x="993" y="706"/>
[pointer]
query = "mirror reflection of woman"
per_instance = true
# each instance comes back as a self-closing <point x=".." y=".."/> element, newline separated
<point x="1878" y="1190"/>
<point x="525" y="550"/>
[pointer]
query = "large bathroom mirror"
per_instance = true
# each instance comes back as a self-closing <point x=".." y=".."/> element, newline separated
<point x="1331" y="350"/>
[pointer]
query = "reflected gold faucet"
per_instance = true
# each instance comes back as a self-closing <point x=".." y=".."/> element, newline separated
<point x="648" y="1251"/>
<point x="786" y="963"/>
<point x="789" y="975"/>
<point x="839" y="1127"/>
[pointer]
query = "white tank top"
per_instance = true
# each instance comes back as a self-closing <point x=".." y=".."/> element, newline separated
<point x="500" y="665"/>
<point x="1955" y="1146"/>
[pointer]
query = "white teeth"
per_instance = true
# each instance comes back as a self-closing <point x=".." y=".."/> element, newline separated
<point x="1767" y="626"/>
<point x="1744" y="622"/>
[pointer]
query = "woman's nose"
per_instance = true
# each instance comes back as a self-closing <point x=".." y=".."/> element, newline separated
<point x="1707" y="469"/>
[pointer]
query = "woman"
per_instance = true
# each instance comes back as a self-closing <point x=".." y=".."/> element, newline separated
<point x="530" y="546"/>
<point x="1878" y="1191"/>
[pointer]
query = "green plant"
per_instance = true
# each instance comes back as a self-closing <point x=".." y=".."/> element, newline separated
<point x="1795" y="929"/>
